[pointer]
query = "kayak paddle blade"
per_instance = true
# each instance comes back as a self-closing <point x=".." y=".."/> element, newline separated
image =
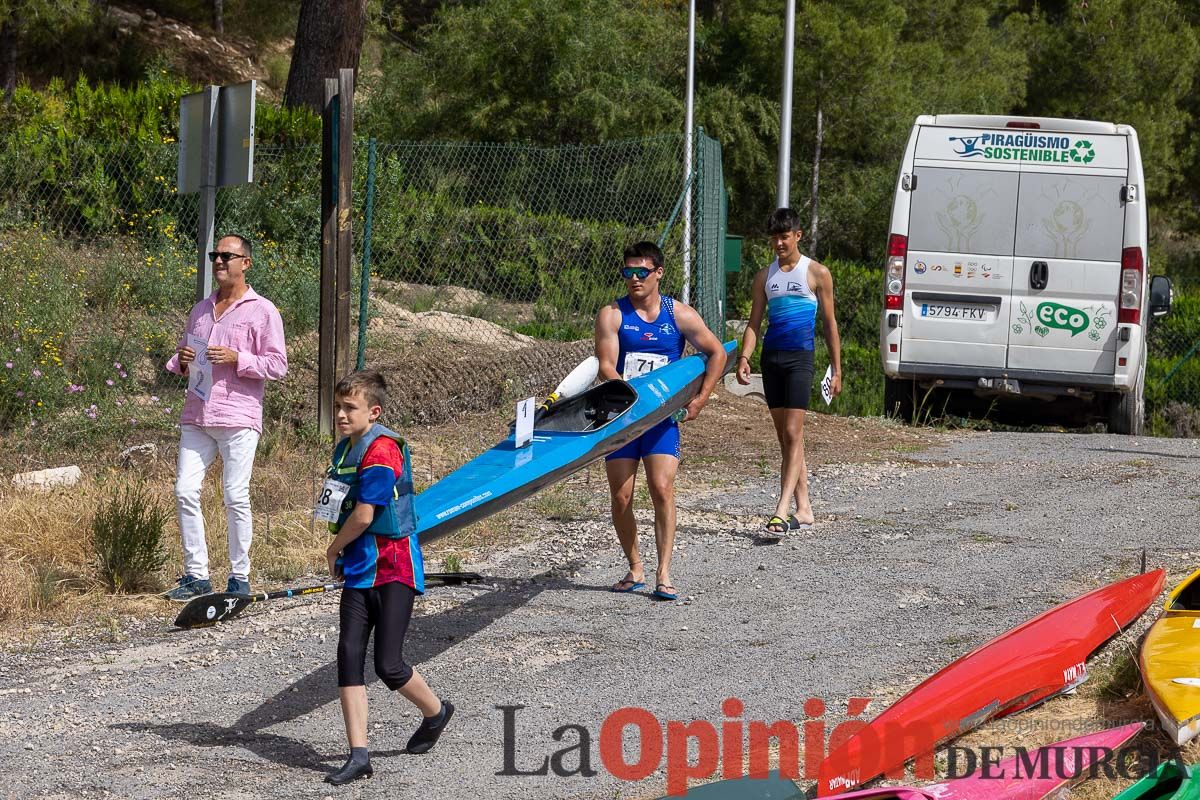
<point x="579" y="379"/>
<point x="212" y="608"/>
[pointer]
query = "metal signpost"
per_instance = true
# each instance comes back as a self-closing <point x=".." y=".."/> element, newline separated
<point x="689" y="144"/>
<point x="216" y="148"/>
<point x="782" y="196"/>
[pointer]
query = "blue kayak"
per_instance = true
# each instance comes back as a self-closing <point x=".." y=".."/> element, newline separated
<point x="567" y="437"/>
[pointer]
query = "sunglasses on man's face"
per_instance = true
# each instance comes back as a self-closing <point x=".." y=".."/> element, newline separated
<point x="217" y="255"/>
<point x="641" y="273"/>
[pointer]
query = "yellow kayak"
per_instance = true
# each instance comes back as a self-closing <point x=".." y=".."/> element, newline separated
<point x="1170" y="662"/>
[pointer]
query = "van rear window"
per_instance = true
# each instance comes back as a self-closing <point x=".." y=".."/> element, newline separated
<point x="1070" y="216"/>
<point x="963" y="211"/>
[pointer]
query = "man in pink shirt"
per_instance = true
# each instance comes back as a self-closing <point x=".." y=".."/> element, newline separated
<point x="244" y="344"/>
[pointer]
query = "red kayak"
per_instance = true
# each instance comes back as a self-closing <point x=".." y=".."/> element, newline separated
<point x="1031" y="663"/>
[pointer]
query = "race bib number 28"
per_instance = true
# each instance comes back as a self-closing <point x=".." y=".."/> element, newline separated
<point x="329" y="501"/>
<point x="637" y="364"/>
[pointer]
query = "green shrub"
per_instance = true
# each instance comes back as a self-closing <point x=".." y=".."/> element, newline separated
<point x="127" y="536"/>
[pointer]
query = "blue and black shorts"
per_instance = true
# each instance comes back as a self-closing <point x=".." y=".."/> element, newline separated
<point x="787" y="377"/>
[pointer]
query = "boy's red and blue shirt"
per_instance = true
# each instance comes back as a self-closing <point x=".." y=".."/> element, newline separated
<point x="373" y="559"/>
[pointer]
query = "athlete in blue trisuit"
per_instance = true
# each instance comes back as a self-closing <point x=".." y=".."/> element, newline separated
<point x="635" y="335"/>
<point x="792" y="290"/>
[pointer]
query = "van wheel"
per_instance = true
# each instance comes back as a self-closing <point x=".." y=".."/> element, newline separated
<point x="1127" y="410"/>
<point x="899" y="399"/>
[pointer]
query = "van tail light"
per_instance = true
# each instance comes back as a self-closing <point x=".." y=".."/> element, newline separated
<point x="894" y="273"/>
<point x="1022" y="124"/>
<point x="1129" y="303"/>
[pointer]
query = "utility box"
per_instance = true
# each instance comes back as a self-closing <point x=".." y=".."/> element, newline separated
<point x="733" y="253"/>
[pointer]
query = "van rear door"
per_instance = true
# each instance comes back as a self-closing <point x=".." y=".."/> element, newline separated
<point x="1067" y="256"/>
<point x="961" y="230"/>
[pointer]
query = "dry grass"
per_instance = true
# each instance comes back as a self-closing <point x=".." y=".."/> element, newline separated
<point x="47" y="564"/>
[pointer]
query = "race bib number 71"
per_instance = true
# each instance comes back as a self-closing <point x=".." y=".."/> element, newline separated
<point x="637" y="364"/>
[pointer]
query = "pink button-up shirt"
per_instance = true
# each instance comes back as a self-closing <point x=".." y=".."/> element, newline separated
<point x="253" y="328"/>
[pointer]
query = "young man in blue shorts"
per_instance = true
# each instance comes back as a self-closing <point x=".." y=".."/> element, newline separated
<point x="635" y="335"/>
<point x="368" y="501"/>
<point x="792" y="291"/>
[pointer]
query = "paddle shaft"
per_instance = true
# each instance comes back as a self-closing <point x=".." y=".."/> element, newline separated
<point x="325" y="587"/>
<point x="220" y="607"/>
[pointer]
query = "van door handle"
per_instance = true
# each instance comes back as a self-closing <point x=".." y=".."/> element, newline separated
<point x="1039" y="275"/>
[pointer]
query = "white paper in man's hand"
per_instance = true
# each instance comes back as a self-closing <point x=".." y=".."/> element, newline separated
<point x="200" y="373"/>
<point x="827" y="385"/>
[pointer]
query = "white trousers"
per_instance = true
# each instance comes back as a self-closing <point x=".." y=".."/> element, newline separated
<point x="198" y="447"/>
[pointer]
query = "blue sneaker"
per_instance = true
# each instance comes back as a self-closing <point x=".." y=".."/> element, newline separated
<point x="237" y="586"/>
<point x="189" y="586"/>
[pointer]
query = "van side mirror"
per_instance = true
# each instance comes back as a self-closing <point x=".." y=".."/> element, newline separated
<point x="1162" y="295"/>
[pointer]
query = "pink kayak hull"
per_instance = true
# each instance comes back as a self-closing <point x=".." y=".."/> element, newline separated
<point x="1030" y="663"/>
<point x="1077" y="757"/>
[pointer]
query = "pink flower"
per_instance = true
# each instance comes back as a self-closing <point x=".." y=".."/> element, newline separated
<point x="74" y="388"/>
<point x="120" y="402"/>
<point x="108" y="381"/>
<point x="8" y="365"/>
<point x="123" y="375"/>
<point x="167" y="409"/>
<point x="92" y="411"/>
<point x="20" y="394"/>
<point x="116" y="365"/>
<point x="37" y="373"/>
<point x="153" y="398"/>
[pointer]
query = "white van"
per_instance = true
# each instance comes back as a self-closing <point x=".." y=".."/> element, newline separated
<point x="1017" y="265"/>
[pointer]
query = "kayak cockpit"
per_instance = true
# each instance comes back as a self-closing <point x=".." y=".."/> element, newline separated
<point x="1187" y="596"/>
<point x="589" y="411"/>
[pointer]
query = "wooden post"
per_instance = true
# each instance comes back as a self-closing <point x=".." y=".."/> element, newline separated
<point x="345" y="237"/>
<point x="326" y="361"/>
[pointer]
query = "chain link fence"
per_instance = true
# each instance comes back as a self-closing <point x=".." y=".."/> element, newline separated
<point x="488" y="263"/>
<point x="1173" y="368"/>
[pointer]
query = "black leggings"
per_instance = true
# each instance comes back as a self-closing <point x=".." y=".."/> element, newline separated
<point x="386" y="609"/>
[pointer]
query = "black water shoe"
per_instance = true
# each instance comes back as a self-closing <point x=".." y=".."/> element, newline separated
<point x="431" y="728"/>
<point x="358" y="765"/>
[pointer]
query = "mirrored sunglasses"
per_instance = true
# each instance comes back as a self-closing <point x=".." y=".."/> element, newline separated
<point x="641" y="273"/>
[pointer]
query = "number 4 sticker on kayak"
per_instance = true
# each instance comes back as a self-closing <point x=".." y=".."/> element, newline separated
<point x="827" y="385"/>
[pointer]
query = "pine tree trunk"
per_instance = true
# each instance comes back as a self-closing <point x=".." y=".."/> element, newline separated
<point x="218" y="8"/>
<point x="329" y="37"/>
<point x="815" y="220"/>
<point x="8" y="55"/>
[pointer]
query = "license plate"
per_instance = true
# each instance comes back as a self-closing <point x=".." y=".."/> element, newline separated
<point x="953" y="312"/>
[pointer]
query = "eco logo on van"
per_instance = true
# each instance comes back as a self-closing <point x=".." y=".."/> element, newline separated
<point x="1047" y="316"/>
<point x="1055" y="315"/>
<point x="1023" y="147"/>
<point x="1083" y="152"/>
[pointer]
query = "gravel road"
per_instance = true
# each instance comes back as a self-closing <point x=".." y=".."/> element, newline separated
<point x="914" y="561"/>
